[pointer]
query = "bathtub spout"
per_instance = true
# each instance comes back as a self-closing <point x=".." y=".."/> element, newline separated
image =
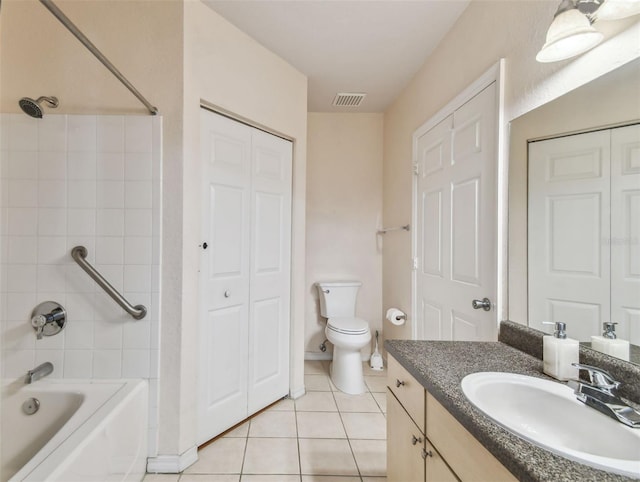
<point x="39" y="372"/>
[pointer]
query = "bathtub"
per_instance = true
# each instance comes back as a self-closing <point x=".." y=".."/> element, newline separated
<point x="84" y="430"/>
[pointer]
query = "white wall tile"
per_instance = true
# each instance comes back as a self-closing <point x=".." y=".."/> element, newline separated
<point x="81" y="133"/>
<point x="23" y="193"/>
<point x="81" y="222"/>
<point x="137" y="166"/>
<point x="4" y="192"/>
<point x="20" y="305"/>
<point x="137" y="195"/>
<point x="81" y="194"/>
<point x="52" y="165"/>
<point x="81" y="165"/>
<point x="110" y="166"/>
<point x="23" y="165"/>
<point x="107" y="363"/>
<point x="52" y="250"/>
<point x="137" y="278"/>
<point x="78" y="335"/>
<point x="136" y="335"/>
<point x="78" y="363"/>
<point x="54" y="342"/>
<point x="55" y="357"/>
<point x="137" y="250"/>
<point x="23" y="249"/>
<point x="110" y="222"/>
<point x="110" y="194"/>
<point x="109" y="250"/>
<point x="23" y="133"/>
<point x="52" y="133"/>
<point x="110" y="134"/>
<point x="52" y="222"/>
<point x="137" y="222"/>
<point x="21" y="278"/>
<point x="52" y="193"/>
<point x="108" y="311"/>
<point x="18" y="335"/>
<point x="107" y="335"/>
<point x="80" y="307"/>
<point x="78" y="281"/>
<point x="135" y="363"/>
<point x="17" y="363"/>
<point x="52" y="278"/>
<point x="113" y="273"/>
<point x="138" y="134"/>
<point x="23" y="221"/>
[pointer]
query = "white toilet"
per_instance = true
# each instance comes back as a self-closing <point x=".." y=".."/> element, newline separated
<point x="347" y="333"/>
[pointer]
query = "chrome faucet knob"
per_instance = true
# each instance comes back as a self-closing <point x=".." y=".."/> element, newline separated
<point x="599" y="378"/>
<point x="38" y="323"/>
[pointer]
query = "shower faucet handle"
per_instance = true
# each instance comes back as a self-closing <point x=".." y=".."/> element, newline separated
<point x="38" y="323"/>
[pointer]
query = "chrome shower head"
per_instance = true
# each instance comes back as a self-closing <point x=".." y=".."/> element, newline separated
<point x="32" y="107"/>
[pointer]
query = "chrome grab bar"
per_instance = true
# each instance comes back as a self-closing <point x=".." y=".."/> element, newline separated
<point x="406" y="227"/>
<point x="79" y="255"/>
<point x="75" y="31"/>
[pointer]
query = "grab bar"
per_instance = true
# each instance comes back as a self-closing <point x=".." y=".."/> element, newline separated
<point x="59" y="14"/>
<point x="406" y="227"/>
<point x="79" y="255"/>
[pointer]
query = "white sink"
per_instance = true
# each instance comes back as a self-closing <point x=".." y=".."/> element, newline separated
<point x="548" y="414"/>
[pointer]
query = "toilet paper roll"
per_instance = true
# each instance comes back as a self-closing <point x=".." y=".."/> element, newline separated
<point x="395" y="316"/>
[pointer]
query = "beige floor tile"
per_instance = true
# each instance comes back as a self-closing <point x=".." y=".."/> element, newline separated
<point x="317" y="383"/>
<point x="314" y="367"/>
<point x="240" y="431"/>
<point x="284" y="405"/>
<point x="381" y="399"/>
<point x="273" y="424"/>
<point x="271" y="456"/>
<point x="369" y="372"/>
<point x="328" y="478"/>
<point x="326" y="457"/>
<point x="356" y="403"/>
<point x="374" y="479"/>
<point x="370" y="426"/>
<point x="224" y="456"/>
<point x="161" y="478"/>
<point x="371" y="456"/>
<point x="270" y="478"/>
<point x="376" y="384"/>
<point x="316" y="402"/>
<point x="320" y="425"/>
<point x="210" y="478"/>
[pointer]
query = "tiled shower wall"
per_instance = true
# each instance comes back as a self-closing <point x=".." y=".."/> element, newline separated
<point x="91" y="181"/>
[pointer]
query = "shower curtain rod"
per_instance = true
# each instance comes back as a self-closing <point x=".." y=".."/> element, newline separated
<point x="94" y="50"/>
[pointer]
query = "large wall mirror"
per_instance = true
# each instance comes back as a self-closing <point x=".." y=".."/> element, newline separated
<point x="574" y="210"/>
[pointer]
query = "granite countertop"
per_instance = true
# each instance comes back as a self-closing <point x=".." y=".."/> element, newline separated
<point x="441" y="365"/>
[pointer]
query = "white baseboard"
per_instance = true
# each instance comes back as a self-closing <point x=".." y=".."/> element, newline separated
<point x="172" y="464"/>
<point x="297" y="393"/>
<point x="317" y="355"/>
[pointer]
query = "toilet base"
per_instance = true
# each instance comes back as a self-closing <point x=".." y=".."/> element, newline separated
<point x="346" y="371"/>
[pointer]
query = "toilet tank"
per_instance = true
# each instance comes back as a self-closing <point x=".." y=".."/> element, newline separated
<point x="338" y="298"/>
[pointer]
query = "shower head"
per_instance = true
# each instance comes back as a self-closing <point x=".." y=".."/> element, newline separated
<point x="32" y="107"/>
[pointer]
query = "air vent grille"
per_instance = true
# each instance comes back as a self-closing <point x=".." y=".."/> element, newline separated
<point x="348" y="99"/>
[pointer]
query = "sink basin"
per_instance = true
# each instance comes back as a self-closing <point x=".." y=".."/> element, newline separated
<point x="548" y="414"/>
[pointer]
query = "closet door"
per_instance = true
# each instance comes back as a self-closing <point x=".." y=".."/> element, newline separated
<point x="269" y="304"/>
<point x="225" y="274"/>
<point x="625" y="232"/>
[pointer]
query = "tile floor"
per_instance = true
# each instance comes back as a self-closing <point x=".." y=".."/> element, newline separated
<point x="324" y="436"/>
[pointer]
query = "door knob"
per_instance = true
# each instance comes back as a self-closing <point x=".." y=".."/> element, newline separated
<point x="204" y="245"/>
<point x="227" y="294"/>
<point x="484" y="303"/>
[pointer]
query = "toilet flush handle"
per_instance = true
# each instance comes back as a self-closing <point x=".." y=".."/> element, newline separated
<point x="325" y="291"/>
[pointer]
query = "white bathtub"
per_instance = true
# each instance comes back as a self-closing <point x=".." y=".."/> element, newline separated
<point x="85" y="430"/>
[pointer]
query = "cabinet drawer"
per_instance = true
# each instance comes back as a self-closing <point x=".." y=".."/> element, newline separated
<point x="405" y="444"/>
<point x="408" y="391"/>
<point x="464" y="454"/>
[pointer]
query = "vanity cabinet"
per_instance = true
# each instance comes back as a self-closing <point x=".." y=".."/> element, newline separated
<point x="425" y="443"/>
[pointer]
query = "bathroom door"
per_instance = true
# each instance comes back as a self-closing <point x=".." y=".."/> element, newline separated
<point x="244" y="272"/>
<point x="456" y="223"/>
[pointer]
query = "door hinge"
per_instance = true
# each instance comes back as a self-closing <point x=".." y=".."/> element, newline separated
<point x="416" y="169"/>
<point x="414" y="264"/>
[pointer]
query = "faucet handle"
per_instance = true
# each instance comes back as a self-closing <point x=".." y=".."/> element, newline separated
<point x="599" y="378"/>
<point x="38" y="323"/>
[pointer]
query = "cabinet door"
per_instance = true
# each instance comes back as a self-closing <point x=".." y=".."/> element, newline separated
<point x="405" y="443"/>
<point x="436" y="468"/>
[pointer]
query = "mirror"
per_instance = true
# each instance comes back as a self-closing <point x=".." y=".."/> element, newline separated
<point x="610" y="101"/>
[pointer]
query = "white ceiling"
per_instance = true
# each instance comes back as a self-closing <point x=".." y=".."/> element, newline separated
<point x="372" y="46"/>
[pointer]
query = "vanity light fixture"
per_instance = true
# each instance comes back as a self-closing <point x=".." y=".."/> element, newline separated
<point x="571" y="32"/>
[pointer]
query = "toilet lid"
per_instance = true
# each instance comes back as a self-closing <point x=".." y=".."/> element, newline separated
<point x="349" y="326"/>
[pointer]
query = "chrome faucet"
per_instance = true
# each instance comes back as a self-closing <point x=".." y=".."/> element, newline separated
<point x="599" y="393"/>
<point x="39" y="372"/>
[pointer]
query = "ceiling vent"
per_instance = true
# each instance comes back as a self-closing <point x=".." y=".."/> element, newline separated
<point x="348" y="99"/>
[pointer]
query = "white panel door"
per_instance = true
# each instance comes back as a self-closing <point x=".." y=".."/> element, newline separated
<point x="245" y="272"/>
<point x="625" y="232"/>
<point x="456" y="222"/>
<point x="569" y="225"/>
<point x="271" y="159"/>
<point x="224" y="274"/>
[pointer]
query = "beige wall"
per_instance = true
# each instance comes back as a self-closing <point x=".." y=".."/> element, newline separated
<point x="485" y="32"/>
<point x="344" y="210"/>
<point x="176" y="54"/>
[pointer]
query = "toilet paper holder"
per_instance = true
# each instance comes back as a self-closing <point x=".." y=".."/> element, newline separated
<point x="396" y="316"/>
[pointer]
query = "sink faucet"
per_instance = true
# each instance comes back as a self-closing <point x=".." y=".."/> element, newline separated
<point x="599" y="393"/>
<point x="39" y="372"/>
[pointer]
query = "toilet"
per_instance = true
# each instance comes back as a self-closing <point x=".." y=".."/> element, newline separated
<point x="347" y="333"/>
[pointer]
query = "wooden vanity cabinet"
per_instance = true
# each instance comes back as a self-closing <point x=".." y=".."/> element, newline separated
<point x="425" y="443"/>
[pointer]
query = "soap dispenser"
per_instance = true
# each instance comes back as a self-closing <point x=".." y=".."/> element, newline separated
<point x="609" y="343"/>
<point x="559" y="352"/>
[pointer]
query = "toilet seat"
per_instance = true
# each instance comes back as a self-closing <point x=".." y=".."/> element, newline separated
<point x="348" y="326"/>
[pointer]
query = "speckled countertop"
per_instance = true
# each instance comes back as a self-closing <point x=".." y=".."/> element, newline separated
<point x="440" y="366"/>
